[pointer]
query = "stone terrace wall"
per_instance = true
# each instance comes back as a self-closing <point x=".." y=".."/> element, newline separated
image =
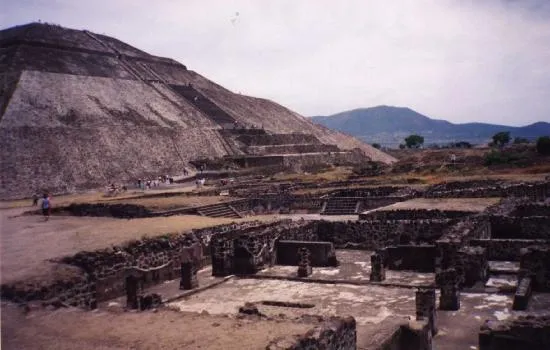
<point x="335" y="334"/>
<point x="291" y="149"/>
<point x="277" y="139"/>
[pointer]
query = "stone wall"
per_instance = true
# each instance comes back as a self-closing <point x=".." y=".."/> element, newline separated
<point x="414" y="214"/>
<point x="75" y="289"/>
<point x="277" y="139"/>
<point x="335" y="334"/>
<point x="509" y="227"/>
<point x="506" y="249"/>
<point x="523" y="332"/>
<point x="381" y="191"/>
<point x="291" y="149"/>
<point x="376" y="234"/>
<point x="534" y="191"/>
<point x="247" y="251"/>
<point x="535" y="263"/>
<point x="125" y="211"/>
<point x="419" y="258"/>
<point x="321" y="253"/>
<point x="101" y="275"/>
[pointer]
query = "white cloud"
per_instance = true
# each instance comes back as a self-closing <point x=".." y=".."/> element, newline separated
<point x="461" y="60"/>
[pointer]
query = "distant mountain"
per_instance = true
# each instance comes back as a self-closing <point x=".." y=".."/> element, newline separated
<point x="389" y="125"/>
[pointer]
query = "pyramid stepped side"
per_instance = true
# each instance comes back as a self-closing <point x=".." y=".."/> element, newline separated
<point x="81" y="110"/>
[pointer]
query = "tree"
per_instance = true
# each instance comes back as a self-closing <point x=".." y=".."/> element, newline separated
<point x="543" y="145"/>
<point x="501" y="138"/>
<point x="376" y="145"/>
<point x="401" y="146"/>
<point x="414" y="141"/>
<point x="519" y="140"/>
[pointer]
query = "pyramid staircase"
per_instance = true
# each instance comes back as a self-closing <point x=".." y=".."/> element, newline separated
<point x="204" y="104"/>
<point x="219" y="210"/>
<point x="341" y="206"/>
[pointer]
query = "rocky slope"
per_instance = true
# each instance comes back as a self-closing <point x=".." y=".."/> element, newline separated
<point x="79" y="110"/>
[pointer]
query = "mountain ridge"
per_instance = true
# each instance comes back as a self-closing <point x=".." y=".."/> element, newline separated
<point x="387" y="124"/>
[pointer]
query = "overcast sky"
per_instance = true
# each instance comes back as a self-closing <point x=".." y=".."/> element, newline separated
<point x="460" y="60"/>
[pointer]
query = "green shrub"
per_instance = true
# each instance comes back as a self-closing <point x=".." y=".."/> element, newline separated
<point x="543" y="145"/>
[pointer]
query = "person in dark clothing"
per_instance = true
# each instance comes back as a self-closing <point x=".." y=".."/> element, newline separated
<point x="34" y="200"/>
<point x="46" y="207"/>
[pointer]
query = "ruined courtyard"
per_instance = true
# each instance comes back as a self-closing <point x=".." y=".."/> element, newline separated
<point x="187" y="216"/>
<point x="366" y="267"/>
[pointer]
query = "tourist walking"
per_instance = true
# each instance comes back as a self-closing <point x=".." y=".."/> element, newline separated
<point x="34" y="200"/>
<point x="46" y="207"/>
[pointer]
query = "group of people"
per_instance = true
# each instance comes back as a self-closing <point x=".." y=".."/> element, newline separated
<point x="150" y="183"/>
<point x="46" y="204"/>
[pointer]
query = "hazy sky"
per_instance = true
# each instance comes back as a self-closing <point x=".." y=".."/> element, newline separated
<point x="460" y="60"/>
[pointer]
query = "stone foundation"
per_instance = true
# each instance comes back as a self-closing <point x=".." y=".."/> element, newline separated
<point x="524" y="332"/>
<point x="334" y="334"/>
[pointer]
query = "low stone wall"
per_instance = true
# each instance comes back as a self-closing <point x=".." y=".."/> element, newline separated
<point x="419" y="258"/>
<point x="535" y="191"/>
<point x="72" y="290"/>
<point x="247" y="251"/>
<point x="381" y="191"/>
<point x="321" y="253"/>
<point x="414" y="214"/>
<point x="506" y="249"/>
<point x="535" y="263"/>
<point x="524" y="332"/>
<point x="335" y="334"/>
<point x="126" y="211"/>
<point x="377" y="234"/>
<point x="101" y="275"/>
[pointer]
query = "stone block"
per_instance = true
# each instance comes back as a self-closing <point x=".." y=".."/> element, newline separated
<point x="426" y="308"/>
